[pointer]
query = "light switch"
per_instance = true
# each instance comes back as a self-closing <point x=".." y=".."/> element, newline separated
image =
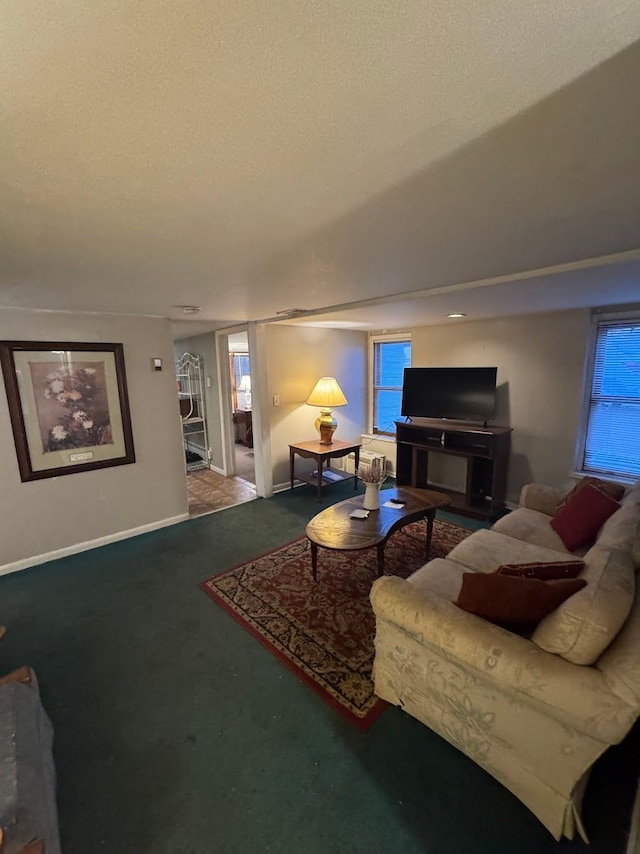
<point x="156" y="364"/>
<point x="276" y="400"/>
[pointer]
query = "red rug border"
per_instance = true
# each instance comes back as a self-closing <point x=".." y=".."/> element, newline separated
<point x="361" y="723"/>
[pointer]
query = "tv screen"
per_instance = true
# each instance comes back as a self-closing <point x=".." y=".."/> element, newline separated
<point x="465" y="394"/>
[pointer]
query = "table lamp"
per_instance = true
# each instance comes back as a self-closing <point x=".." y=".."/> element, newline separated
<point x="326" y="394"/>
<point x="245" y="386"/>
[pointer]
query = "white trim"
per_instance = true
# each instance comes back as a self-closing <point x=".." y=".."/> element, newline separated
<point x="17" y="565"/>
<point x="378" y="437"/>
<point x="217" y="470"/>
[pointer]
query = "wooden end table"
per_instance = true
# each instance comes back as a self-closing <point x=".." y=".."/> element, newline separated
<point x="334" y="529"/>
<point x="321" y="454"/>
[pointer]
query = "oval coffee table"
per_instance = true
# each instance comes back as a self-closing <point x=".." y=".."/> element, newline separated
<point x="335" y="529"/>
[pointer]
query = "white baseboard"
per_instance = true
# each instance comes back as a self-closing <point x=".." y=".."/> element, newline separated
<point x="17" y="565"/>
<point x="283" y="487"/>
<point x="217" y="470"/>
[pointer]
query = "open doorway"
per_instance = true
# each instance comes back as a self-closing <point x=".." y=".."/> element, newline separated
<point x="211" y="484"/>
<point x="241" y="406"/>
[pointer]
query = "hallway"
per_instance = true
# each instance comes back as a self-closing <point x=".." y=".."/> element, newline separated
<point x="208" y="491"/>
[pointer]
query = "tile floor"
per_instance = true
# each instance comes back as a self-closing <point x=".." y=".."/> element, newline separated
<point x="209" y="491"/>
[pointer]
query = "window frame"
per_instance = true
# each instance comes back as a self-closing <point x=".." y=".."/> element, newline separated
<point x="381" y="338"/>
<point x="597" y="319"/>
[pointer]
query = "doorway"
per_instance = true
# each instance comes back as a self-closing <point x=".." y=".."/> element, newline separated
<point x="211" y="483"/>
<point x="241" y="406"/>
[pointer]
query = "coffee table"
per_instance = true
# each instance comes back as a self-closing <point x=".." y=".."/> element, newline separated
<point x="334" y="529"/>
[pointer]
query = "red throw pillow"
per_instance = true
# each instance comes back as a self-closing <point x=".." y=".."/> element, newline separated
<point x="517" y="604"/>
<point x="543" y="571"/>
<point x="580" y="520"/>
<point x="613" y="490"/>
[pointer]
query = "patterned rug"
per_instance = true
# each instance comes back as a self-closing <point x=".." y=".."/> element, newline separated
<point x="324" y="630"/>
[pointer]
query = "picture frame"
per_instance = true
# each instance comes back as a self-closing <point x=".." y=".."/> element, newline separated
<point x="68" y="406"/>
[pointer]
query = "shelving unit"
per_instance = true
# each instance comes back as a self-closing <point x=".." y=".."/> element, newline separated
<point x="192" y="410"/>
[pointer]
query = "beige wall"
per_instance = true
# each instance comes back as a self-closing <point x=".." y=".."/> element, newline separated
<point x="297" y="358"/>
<point x="540" y="360"/>
<point x="57" y="513"/>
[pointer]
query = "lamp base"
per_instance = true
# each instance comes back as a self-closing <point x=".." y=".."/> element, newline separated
<point x="326" y="425"/>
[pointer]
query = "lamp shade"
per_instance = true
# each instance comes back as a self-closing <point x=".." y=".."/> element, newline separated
<point x="327" y="394"/>
<point x="245" y="383"/>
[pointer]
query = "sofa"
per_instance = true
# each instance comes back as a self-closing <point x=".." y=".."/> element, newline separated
<point x="28" y="817"/>
<point x="535" y="711"/>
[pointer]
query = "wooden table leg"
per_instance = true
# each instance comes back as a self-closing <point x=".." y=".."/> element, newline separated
<point x="319" y="487"/>
<point x="291" y="465"/>
<point x="314" y="559"/>
<point x="430" y="516"/>
<point x="356" y="466"/>
<point x="380" y="549"/>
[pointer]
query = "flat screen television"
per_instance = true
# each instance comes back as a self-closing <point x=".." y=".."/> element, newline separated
<point x="463" y="394"/>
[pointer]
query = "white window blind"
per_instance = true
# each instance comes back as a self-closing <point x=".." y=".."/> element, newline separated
<point x="612" y="442"/>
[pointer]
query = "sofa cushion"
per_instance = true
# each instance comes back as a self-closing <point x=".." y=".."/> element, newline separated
<point x="440" y="576"/>
<point x="580" y="519"/>
<point x="584" y="626"/>
<point x="531" y="526"/>
<point x="613" y="490"/>
<point x="485" y="551"/>
<point x="514" y="603"/>
<point x="543" y="571"/>
<point x="622" y="530"/>
<point x="632" y="494"/>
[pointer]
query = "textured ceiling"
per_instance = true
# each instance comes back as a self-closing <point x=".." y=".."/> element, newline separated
<point x="250" y="157"/>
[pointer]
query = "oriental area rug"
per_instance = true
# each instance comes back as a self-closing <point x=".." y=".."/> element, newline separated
<point x="324" y="630"/>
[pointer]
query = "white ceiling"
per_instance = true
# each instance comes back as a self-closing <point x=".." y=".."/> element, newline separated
<point x="251" y="157"/>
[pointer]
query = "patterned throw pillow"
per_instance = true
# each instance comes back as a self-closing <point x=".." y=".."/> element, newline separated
<point x="613" y="490"/>
<point x="543" y="571"/>
<point x="517" y="604"/>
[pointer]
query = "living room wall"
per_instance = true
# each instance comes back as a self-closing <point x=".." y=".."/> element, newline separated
<point x="53" y="516"/>
<point x="540" y="360"/>
<point x="297" y="357"/>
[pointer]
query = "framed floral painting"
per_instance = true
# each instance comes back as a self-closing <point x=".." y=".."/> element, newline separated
<point x="68" y="406"/>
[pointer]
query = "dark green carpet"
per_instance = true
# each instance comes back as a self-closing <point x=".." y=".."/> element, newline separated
<point x="178" y="733"/>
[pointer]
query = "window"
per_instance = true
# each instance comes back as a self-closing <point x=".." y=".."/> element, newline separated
<point x="390" y="358"/>
<point x="611" y="442"/>
<point x="239" y="363"/>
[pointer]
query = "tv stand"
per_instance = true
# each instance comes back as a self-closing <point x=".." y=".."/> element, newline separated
<point x="485" y="449"/>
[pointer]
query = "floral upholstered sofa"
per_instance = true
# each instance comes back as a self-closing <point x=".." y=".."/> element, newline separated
<point x="536" y="711"/>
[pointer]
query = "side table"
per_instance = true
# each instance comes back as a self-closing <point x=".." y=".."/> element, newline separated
<point x="321" y="454"/>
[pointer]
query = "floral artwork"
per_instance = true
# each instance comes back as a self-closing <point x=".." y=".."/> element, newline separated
<point x="72" y="405"/>
<point x="68" y="406"/>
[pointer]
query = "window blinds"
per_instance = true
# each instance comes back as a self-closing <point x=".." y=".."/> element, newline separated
<point x="612" y="444"/>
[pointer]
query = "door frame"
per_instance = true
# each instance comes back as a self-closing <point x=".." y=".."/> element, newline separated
<point x="259" y="409"/>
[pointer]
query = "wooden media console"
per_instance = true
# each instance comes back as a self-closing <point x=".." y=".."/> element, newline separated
<point x="485" y="449"/>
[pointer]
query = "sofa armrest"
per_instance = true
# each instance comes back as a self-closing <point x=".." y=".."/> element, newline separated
<point x="573" y="694"/>
<point x="22" y="674"/>
<point x="544" y="499"/>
